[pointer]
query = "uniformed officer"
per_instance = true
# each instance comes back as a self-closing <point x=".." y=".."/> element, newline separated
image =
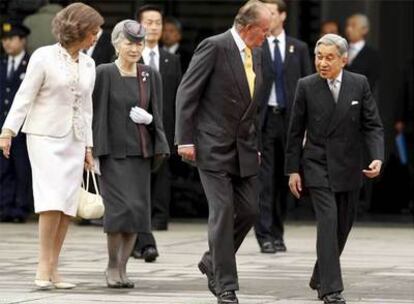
<point x="15" y="175"/>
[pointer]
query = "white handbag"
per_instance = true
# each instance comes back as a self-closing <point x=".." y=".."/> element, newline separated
<point x="90" y="205"/>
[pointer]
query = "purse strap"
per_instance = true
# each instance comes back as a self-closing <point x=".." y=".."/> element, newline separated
<point x="95" y="185"/>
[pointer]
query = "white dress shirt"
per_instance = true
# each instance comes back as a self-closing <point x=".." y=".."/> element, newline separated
<point x="172" y="49"/>
<point x="17" y="60"/>
<point x="282" y="48"/>
<point x="354" y="49"/>
<point x="147" y="57"/>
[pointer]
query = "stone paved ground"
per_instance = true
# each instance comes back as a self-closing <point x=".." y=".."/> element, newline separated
<point x="378" y="267"/>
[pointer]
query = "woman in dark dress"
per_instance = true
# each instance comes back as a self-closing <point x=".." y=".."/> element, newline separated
<point x="128" y="136"/>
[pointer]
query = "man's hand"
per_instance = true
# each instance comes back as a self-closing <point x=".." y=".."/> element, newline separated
<point x="295" y="184"/>
<point x="187" y="152"/>
<point x="5" y="145"/>
<point x="374" y="169"/>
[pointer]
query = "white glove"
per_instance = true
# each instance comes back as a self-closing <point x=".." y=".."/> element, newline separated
<point x="140" y="116"/>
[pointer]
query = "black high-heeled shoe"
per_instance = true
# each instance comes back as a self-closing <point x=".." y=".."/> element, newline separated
<point x="128" y="284"/>
<point x="112" y="283"/>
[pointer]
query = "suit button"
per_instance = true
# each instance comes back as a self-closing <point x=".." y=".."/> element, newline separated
<point x="6" y="101"/>
<point x="7" y="90"/>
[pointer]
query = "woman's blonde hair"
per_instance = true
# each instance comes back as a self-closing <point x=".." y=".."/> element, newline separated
<point x="74" y="22"/>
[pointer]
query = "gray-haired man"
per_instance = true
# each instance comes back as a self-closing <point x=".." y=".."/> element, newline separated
<point x="338" y="112"/>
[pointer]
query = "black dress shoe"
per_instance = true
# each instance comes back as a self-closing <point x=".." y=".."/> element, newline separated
<point x="150" y="254"/>
<point x="227" y="297"/>
<point x="267" y="247"/>
<point x="316" y="286"/>
<point x="211" y="283"/>
<point x="280" y="245"/>
<point x="333" y="298"/>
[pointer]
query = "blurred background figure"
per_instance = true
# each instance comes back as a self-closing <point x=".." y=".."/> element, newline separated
<point x="40" y="25"/>
<point x="16" y="199"/>
<point x="285" y="61"/>
<point x="168" y="65"/>
<point x="171" y="38"/>
<point x="363" y="59"/>
<point x="102" y="51"/>
<point x="329" y="27"/>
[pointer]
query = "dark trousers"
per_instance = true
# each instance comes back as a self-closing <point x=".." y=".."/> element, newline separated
<point x="335" y="213"/>
<point x="160" y="204"/>
<point x="233" y="209"/>
<point x="273" y="182"/>
<point x="16" y="197"/>
<point x="161" y="194"/>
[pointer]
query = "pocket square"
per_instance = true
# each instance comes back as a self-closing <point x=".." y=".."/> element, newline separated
<point x="354" y="102"/>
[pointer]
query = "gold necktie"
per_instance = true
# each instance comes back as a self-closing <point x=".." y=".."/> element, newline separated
<point x="248" y="68"/>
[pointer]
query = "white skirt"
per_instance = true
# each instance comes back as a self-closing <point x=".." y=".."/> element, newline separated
<point x="57" y="168"/>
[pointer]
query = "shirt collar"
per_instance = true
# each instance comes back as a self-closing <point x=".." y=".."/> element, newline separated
<point x="18" y="58"/>
<point x="239" y="41"/>
<point x="172" y="49"/>
<point x="281" y="37"/>
<point x="148" y="50"/>
<point x="357" y="46"/>
<point x="338" y="78"/>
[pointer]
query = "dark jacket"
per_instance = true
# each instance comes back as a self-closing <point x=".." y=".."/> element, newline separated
<point x="215" y="110"/>
<point x="114" y="133"/>
<point x="335" y="133"/>
<point x="367" y="63"/>
<point x="9" y="87"/>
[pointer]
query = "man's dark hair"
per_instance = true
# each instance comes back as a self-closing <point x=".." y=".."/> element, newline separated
<point x="175" y="22"/>
<point x="147" y="8"/>
<point x="281" y="5"/>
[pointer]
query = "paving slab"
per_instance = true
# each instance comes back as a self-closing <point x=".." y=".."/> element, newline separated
<point x="378" y="267"/>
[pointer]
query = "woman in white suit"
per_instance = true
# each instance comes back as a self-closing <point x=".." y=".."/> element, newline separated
<point x="54" y="105"/>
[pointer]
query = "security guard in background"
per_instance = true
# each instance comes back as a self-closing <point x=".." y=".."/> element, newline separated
<point x="16" y="198"/>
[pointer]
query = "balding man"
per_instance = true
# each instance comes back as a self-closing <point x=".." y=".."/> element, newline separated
<point x="338" y="112"/>
<point x="216" y="127"/>
<point x="362" y="58"/>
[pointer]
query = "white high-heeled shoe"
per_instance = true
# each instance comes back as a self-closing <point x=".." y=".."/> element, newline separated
<point x="63" y="285"/>
<point x="43" y="284"/>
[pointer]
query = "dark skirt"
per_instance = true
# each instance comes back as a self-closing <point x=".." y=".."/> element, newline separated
<point x="125" y="189"/>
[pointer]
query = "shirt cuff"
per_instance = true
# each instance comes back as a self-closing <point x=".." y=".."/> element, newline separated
<point x="7" y="133"/>
<point x="185" y="146"/>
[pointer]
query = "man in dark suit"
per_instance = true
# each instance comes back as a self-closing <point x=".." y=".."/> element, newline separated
<point x="102" y="51"/>
<point x="217" y="129"/>
<point x="171" y="41"/>
<point x="363" y="59"/>
<point x="170" y="69"/>
<point x="336" y="109"/>
<point x="16" y="200"/>
<point x="285" y="60"/>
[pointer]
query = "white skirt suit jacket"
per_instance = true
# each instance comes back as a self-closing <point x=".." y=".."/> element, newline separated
<point x="54" y="105"/>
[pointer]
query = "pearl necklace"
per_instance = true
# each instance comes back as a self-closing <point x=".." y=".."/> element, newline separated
<point x="124" y="72"/>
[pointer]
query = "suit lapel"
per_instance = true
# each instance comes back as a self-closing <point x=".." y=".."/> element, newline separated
<point x="288" y="54"/>
<point x="236" y="65"/>
<point x="343" y="104"/>
<point x="267" y="55"/>
<point x="163" y="62"/>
